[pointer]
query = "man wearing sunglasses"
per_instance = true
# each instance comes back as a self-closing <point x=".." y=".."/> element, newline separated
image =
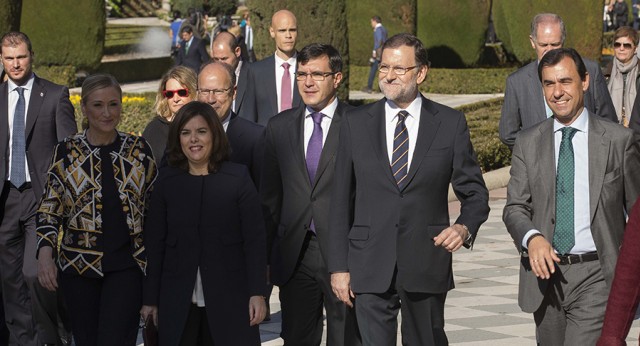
<point x="524" y="104"/>
<point x="301" y="145"/>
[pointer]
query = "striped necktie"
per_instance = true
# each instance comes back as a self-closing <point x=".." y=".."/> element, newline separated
<point x="400" y="157"/>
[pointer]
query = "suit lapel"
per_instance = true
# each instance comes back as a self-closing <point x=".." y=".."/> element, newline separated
<point x="271" y="75"/>
<point x="4" y="127"/>
<point x="296" y="143"/>
<point x="535" y="89"/>
<point x="35" y="103"/>
<point x="426" y="133"/>
<point x="331" y="143"/>
<point x="598" y="155"/>
<point x="242" y="85"/>
<point x="377" y="130"/>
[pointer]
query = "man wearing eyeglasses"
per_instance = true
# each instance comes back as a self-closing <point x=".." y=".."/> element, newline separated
<point x="298" y="176"/>
<point x="390" y="242"/>
<point x="524" y="104"/>
<point x="216" y="86"/>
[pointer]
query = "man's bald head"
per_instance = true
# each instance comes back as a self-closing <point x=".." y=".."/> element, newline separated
<point x="225" y="49"/>
<point x="284" y="30"/>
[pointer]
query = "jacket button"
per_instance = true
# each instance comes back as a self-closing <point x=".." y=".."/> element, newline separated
<point x="553" y="221"/>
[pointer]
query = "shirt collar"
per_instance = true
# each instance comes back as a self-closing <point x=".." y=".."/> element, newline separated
<point x="327" y="111"/>
<point x="581" y="123"/>
<point x="28" y="85"/>
<point x="377" y="26"/>
<point x="291" y="60"/>
<point x="414" y="108"/>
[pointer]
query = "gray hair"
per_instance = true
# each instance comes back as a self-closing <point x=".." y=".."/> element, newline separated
<point x="550" y="18"/>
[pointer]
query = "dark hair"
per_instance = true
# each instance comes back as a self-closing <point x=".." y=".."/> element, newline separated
<point x="187" y="28"/>
<point x="219" y="142"/>
<point x="230" y="71"/>
<point x="317" y="50"/>
<point x="14" y="38"/>
<point x="177" y="14"/>
<point x="626" y="31"/>
<point x="553" y="57"/>
<point x="377" y="19"/>
<point x="405" y="39"/>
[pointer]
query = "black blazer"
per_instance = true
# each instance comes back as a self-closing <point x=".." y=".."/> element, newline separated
<point x="213" y="223"/>
<point x="262" y="92"/>
<point x="241" y="87"/>
<point x="247" y="145"/>
<point x="386" y="228"/>
<point x="288" y="195"/>
<point x="195" y="57"/>
<point x="50" y="118"/>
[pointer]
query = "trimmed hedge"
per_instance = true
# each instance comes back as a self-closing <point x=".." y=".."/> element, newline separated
<point x="453" y="31"/>
<point x="10" y="15"/>
<point x="320" y="21"/>
<point x="397" y="16"/>
<point x="582" y="19"/>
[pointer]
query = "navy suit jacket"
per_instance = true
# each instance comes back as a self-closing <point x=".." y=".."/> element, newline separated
<point x="262" y="96"/>
<point x="247" y="145"/>
<point x="50" y="118"/>
<point x="196" y="55"/>
<point x="241" y="87"/>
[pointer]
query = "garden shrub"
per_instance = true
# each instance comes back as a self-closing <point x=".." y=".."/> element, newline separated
<point x="10" y="15"/>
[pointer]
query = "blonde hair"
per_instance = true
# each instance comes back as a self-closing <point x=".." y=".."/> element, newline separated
<point x="186" y="77"/>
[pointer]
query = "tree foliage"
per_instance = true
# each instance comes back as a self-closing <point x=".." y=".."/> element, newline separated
<point x="10" y="15"/>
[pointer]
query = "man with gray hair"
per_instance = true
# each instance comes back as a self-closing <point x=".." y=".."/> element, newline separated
<point x="524" y="104"/>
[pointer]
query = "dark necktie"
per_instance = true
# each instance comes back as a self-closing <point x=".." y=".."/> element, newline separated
<point x="285" y="89"/>
<point x="564" y="236"/>
<point x="314" y="150"/>
<point x="400" y="157"/>
<point x="18" y="175"/>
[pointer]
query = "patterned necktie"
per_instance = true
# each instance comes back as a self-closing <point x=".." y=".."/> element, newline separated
<point x="186" y="47"/>
<point x="314" y="147"/>
<point x="400" y="157"/>
<point x="18" y="176"/>
<point x="285" y="89"/>
<point x="563" y="236"/>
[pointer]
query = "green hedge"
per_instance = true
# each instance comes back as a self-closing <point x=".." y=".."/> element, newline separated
<point x="397" y="16"/>
<point x="483" y="118"/>
<point x="582" y="19"/>
<point x="453" y="31"/>
<point x="10" y="15"/>
<point x="319" y="21"/>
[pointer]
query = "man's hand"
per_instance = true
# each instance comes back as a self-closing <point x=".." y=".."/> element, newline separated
<point x="340" y="283"/>
<point x="47" y="269"/>
<point x="542" y="257"/>
<point x="257" y="310"/>
<point x="451" y="238"/>
<point x="149" y="310"/>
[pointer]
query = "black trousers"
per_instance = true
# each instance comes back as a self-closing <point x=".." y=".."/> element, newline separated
<point x="196" y="331"/>
<point x="104" y="311"/>
<point x="302" y="299"/>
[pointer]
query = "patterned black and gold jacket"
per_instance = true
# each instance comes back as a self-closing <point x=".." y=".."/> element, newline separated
<point x="72" y="201"/>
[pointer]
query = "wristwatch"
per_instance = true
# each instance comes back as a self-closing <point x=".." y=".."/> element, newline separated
<point x="468" y="241"/>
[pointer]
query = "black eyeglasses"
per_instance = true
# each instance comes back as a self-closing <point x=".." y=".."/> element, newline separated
<point x="316" y="76"/>
<point x="398" y="70"/>
<point x="216" y="92"/>
<point x="625" y="45"/>
<point x="181" y="92"/>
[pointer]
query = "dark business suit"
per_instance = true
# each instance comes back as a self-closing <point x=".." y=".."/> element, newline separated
<point x="383" y="235"/>
<point x="49" y="119"/>
<point x="193" y="58"/>
<point x="212" y="223"/>
<point x="292" y="201"/>
<point x="247" y="145"/>
<point x="241" y="87"/>
<point x="614" y="163"/>
<point x="524" y="104"/>
<point x="262" y="95"/>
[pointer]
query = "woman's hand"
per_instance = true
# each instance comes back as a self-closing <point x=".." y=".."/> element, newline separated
<point x="149" y="310"/>
<point x="47" y="269"/>
<point x="257" y="310"/>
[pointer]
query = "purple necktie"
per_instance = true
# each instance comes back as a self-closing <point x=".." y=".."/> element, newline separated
<point x="314" y="147"/>
<point x="285" y="89"/>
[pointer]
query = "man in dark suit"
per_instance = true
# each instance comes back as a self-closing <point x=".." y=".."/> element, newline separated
<point x="271" y="87"/>
<point x="524" y="104"/>
<point x="389" y="234"/>
<point x="216" y="86"/>
<point x="36" y="114"/>
<point x="225" y="49"/>
<point x="301" y="145"/>
<point x="192" y="51"/>
<point x="574" y="177"/>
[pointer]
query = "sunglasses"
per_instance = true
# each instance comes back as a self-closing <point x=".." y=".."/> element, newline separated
<point x="181" y="92"/>
<point x="625" y="45"/>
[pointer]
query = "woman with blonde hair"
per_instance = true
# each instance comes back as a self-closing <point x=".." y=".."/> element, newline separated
<point x="177" y="88"/>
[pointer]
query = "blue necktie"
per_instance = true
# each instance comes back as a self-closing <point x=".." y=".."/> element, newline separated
<point x="314" y="150"/>
<point x="564" y="233"/>
<point x="18" y="175"/>
<point x="400" y="157"/>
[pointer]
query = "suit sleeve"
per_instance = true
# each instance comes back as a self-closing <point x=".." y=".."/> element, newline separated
<point x="518" y="211"/>
<point x="65" y="116"/>
<point x="341" y="206"/>
<point x="603" y="103"/>
<point x="271" y="188"/>
<point x="625" y="290"/>
<point x="467" y="181"/>
<point x="631" y="169"/>
<point x="510" y="122"/>
<point x="257" y="160"/>
<point x="202" y="51"/>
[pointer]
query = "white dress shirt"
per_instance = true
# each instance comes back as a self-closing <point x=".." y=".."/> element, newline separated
<point x="582" y="213"/>
<point x="280" y="72"/>
<point x="13" y="101"/>
<point x="412" y="122"/>
<point x="328" y="112"/>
